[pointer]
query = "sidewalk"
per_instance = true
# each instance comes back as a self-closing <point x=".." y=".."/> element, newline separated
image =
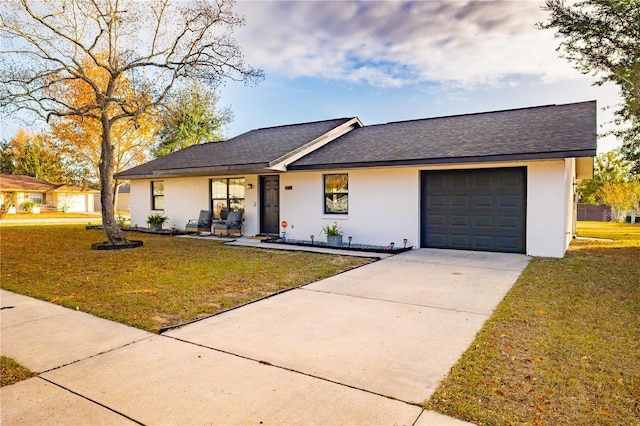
<point x="156" y="379"/>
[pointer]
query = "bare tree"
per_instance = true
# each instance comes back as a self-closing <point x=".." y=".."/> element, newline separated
<point x="149" y="45"/>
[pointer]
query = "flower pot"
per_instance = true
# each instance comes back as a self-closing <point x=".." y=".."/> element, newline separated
<point x="334" y="240"/>
<point x="35" y="210"/>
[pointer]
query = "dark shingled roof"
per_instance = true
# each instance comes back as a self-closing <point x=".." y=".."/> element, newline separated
<point x="248" y="151"/>
<point x="554" y="131"/>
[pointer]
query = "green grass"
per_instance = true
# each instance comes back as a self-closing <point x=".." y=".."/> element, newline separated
<point x="11" y="372"/>
<point x="53" y="215"/>
<point x="165" y="282"/>
<point x="563" y="347"/>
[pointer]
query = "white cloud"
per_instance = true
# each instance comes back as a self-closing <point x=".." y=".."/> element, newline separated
<point x="396" y="43"/>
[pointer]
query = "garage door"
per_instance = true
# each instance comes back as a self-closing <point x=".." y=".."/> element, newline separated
<point x="481" y="209"/>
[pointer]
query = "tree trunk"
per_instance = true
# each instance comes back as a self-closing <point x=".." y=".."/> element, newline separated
<point x="114" y="234"/>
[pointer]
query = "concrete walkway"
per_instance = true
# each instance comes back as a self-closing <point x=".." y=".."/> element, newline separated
<point x="257" y="243"/>
<point x="364" y="347"/>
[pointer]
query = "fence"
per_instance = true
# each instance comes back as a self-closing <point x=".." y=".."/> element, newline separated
<point x="597" y="213"/>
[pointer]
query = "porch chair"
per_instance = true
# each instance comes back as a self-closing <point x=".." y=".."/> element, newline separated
<point x="203" y="223"/>
<point x="233" y="223"/>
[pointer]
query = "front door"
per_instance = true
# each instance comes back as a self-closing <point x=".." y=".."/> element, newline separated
<point x="270" y="205"/>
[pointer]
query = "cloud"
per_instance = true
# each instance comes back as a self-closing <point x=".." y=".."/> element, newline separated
<point x="397" y="43"/>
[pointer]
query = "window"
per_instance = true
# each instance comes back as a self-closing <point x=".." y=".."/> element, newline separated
<point x="37" y="198"/>
<point x="336" y="194"/>
<point x="157" y="195"/>
<point x="227" y="194"/>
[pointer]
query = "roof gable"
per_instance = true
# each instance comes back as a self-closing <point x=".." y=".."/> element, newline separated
<point x="554" y="131"/>
<point x="256" y="149"/>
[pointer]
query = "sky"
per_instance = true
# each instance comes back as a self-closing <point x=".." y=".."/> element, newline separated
<point x="388" y="61"/>
<point x="385" y="61"/>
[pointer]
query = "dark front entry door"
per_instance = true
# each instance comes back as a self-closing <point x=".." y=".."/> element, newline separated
<point x="270" y="205"/>
<point x="482" y="209"/>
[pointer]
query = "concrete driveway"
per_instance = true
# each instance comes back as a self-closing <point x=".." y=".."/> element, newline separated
<point x="364" y="347"/>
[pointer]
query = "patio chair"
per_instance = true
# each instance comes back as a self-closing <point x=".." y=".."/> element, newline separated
<point x="203" y="223"/>
<point x="233" y="223"/>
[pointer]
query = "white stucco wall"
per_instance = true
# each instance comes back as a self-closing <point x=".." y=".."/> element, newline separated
<point x="384" y="204"/>
<point x="183" y="200"/>
<point x="549" y="208"/>
<point x="570" y="171"/>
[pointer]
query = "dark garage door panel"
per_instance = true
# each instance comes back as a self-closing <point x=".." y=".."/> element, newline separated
<point x="481" y="209"/>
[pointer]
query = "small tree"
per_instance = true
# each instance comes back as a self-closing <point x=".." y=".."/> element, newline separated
<point x="621" y="196"/>
<point x="141" y="49"/>
<point x="79" y="140"/>
<point x="612" y="184"/>
<point x="191" y="117"/>
<point x="33" y="155"/>
<point x="7" y="158"/>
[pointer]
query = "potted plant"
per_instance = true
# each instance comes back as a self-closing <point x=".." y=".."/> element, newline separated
<point x="334" y="234"/>
<point x="27" y="206"/>
<point x="156" y="221"/>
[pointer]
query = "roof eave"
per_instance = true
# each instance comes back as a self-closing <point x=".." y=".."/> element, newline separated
<point x="254" y="168"/>
<point x="449" y="160"/>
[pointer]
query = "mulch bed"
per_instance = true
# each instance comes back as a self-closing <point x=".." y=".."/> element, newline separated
<point x="346" y="246"/>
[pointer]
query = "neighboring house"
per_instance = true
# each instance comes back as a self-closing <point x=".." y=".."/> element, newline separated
<point x="123" y="199"/>
<point x="17" y="189"/>
<point x="496" y="181"/>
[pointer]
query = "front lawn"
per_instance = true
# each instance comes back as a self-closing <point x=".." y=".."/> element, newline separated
<point x="165" y="282"/>
<point x="54" y="215"/>
<point x="563" y="347"/>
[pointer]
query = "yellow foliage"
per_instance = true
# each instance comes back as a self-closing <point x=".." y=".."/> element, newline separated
<point x="80" y="136"/>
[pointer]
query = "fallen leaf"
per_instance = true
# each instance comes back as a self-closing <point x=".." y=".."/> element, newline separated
<point x="509" y="347"/>
<point x="605" y="413"/>
<point x="537" y="359"/>
<point x="537" y="421"/>
<point x="540" y="408"/>
<point x="541" y="312"/>
<point x="499" y="391"/>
